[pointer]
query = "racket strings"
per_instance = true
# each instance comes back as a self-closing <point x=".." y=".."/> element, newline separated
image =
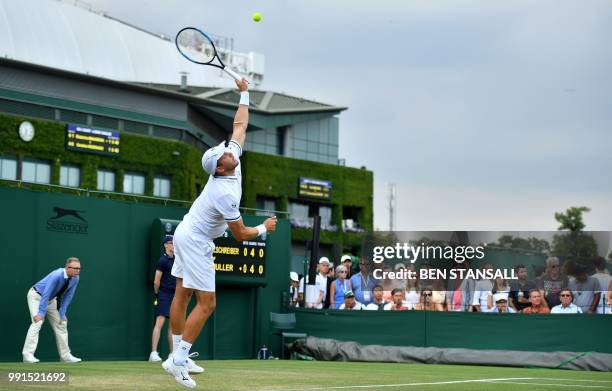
<point x="195" y="46"/>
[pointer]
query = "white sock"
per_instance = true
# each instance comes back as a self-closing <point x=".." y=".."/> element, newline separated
<point x="181" y="353"/>
<point x="176" y="339"/>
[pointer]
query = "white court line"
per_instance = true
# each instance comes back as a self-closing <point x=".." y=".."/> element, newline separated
<point x="411" y="384"/>
<point x="550" y="384"/>
<point x="593" y="381"/>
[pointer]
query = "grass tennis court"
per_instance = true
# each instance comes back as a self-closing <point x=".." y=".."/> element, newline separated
<point x="253" y="375"/>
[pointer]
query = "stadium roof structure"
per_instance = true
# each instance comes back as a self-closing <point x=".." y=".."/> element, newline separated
<point x="65" y="35"/>
<point x="268" y="109"/>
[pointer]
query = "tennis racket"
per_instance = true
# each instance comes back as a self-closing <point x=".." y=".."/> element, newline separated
<point x="199" y="48"/>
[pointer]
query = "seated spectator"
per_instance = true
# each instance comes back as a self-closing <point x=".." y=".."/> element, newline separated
<point x="501" y="288"/>
<point x="412" y="295"/>
<point x="338" y="287"/>
<point x="294" y="283"/>
<point x="537" y="304"/>
<point x="586" y="289"/>
<point x="501" y="304"/>
<point x="438" y="295"/>
<point x="520" y="288"/>
<point x="551" y="282"/>
<point x="397" y="303"/>
<point x="378" y="304"/>
<point x="425" y="303"/>
<point x="603" y="276"/>
<point x="350" y="303"/>
<point x="566" y="306"/>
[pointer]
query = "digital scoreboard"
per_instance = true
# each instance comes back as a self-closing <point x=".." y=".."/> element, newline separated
<point x="314" y="188"/>
<point x="85" y="139"/>
<point x="240" y="258"/>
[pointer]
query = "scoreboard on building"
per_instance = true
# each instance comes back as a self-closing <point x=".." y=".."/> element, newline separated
<point x="86" y="139"/>
<point x="314" y="188"/>
<point x="246" y="258"/>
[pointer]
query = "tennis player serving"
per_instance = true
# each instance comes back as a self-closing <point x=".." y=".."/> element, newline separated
<point x="215" y="209"/>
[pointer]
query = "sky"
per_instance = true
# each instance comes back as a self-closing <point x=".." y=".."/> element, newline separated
<point x="486" y="115"/>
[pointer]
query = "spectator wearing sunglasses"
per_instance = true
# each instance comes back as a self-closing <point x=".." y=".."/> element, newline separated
<point x="566" y="307"/>
<point x="552" y="282"/>
<point x="426" y="303"/>
<point x="50" y="297"/>
<point x="338" y="287"/>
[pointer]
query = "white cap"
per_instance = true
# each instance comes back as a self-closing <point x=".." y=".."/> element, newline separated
<point x="211" y="156"/>
<point x="399" y="266"/>
<point x="346" y="258"/>
<point x="324" y="260"/>
<point x="294" y="276"/>
<point x="500" y="296"/>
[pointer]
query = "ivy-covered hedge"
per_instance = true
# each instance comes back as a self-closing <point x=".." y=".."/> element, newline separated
<point x="148" y="155"/>
<point x="264" y="175"/>
<point x="277" y="177"/>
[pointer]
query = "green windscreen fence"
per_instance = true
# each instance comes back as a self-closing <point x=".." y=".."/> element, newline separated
<point x="111" y="315"/>
<point x="544" y="333"/>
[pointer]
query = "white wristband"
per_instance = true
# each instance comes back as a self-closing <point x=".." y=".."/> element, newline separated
<point x="261" y="229"/>
<point x="244" y="98"/>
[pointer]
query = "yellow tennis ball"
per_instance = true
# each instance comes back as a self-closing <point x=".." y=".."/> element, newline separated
<point x="257" y="16"/>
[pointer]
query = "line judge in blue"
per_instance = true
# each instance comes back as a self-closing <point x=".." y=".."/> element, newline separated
<point x="51" y="297"/>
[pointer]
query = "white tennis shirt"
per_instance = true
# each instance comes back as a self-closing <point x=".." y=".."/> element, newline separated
<point x="218" y="203"/>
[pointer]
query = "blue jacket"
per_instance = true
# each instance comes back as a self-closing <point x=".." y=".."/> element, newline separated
<point x="50" y="286"/>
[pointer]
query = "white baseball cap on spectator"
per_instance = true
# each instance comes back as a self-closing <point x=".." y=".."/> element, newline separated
<point x="346" y="258"/>
<point x="399" y="266"/>
<point x="294" y="276"/>
<point x="323" y="260"/>
<point x="500" y="297"/>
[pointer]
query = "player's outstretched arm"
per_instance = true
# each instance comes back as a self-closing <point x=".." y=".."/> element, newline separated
<point x="241" y="120"/>
<point x="242" y="232"/>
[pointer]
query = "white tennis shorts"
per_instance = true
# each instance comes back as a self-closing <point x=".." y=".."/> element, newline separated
<point x="193" y="259"/>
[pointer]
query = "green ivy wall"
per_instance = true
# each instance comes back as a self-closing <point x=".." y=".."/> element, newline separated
<point x="265" y="175"/>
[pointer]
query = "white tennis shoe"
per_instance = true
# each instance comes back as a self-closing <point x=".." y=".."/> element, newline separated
<point x="180" y="373"/>
<point x="192" y="367"/>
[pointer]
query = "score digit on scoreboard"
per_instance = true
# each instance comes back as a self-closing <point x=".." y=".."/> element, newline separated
<point x="245" y="258"/>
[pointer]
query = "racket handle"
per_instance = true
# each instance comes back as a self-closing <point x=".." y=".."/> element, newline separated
<point x="232" y="73"/>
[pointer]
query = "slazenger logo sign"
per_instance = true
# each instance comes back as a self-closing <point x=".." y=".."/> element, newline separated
<point x="67" y="220"/>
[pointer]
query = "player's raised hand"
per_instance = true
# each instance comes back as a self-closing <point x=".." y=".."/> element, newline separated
<point x="242" y="84"/>
<point x="270" y="224"/>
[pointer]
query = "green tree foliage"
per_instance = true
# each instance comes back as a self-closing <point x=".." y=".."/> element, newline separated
<point x="571" y="220"/>
<point x="574" y="243"/>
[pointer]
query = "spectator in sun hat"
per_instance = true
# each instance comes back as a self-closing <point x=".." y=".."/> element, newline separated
<point x="350" y="303"/>
<point x="501" y="304"/>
